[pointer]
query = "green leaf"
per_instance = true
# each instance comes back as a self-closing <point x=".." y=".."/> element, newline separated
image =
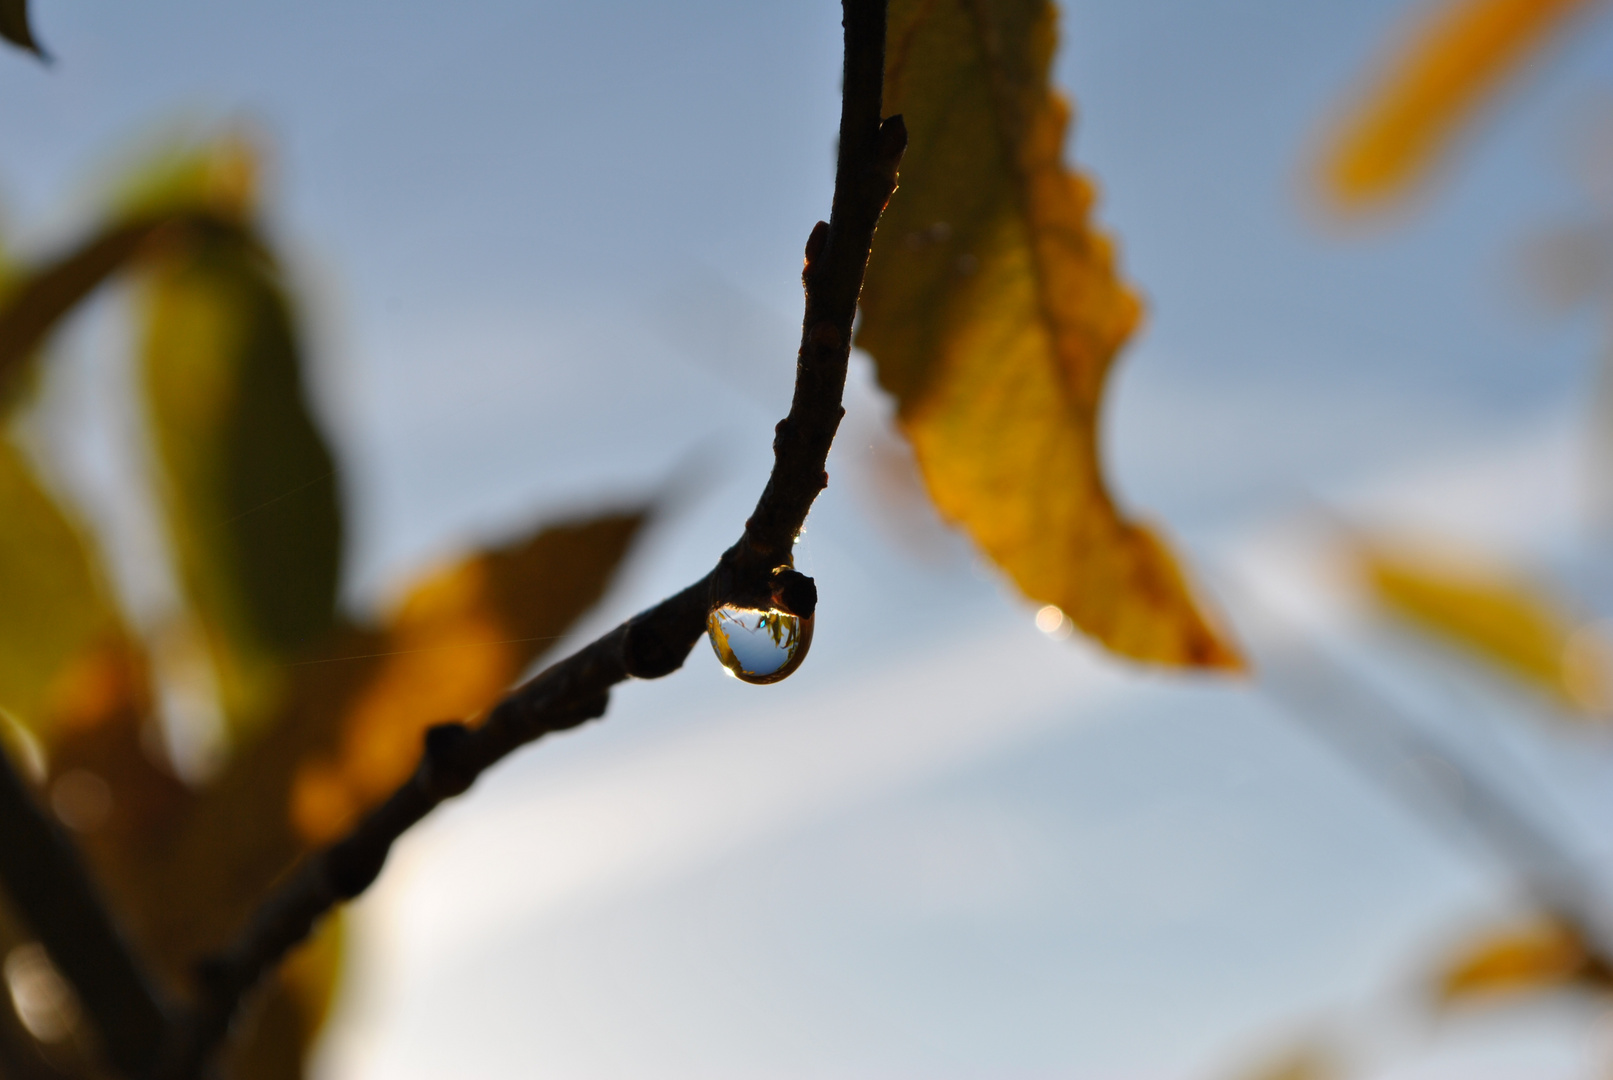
<point x="249" y="484"/>
<point x="55" y="610"/>
<point x="15" y="28"/>
<point x="993" y="311"/>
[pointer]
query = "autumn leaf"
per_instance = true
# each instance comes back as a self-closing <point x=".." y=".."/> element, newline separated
<point x="355" y="713"/>
<point x="993" y="312"/>
<point x="1544" y="955"/>
<point x="186" y="865"/>
<point x="1498" y="616"/>
<point x="56" y="611"/>
<point x="249" y="483"/>
<point x="1429" y="90"/>
<point x="458" y="640"/>
<point x="15" y="27"/>
<point x="1307" y="1062"/>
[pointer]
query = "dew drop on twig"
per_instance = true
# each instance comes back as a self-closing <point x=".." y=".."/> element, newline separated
<point x="758" y="646"/>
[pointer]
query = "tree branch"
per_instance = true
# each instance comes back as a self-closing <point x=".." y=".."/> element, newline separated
<point x="52" y="890"/>
<point x="754" y="572"/>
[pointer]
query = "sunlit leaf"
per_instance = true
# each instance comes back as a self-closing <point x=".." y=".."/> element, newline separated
<point x="1544" y="955"/>
<point x="15" y="27"/>
<point x="993" y="311"/>
<point x="459" y="639"/>
<point x="54" y="609"/>
<point x="1499" y="616"/>
<point x="1427" y="92"/>
<point x="250" y="485"/>
<point x="352" y="720"/>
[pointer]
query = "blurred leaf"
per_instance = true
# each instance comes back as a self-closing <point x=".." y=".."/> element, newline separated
<point x="1544" y="955"/>
<point x="352" y="720"/>
<point x="15" y="28"/>
<point x="311" y="973"/>
<point x="460" y="638"/>
<point x="1448" y="66"/>
<point x="993" y="312"/>
<point x="250" y="492"/>
<point x="269" y="1042"/>
<point x="283" y="1025"/>
<point x="1498" y="616"/>
<point x="1303" y="1063"/>
<point x="104" y="743"/>
<point x="105" y="735"/>
<point x="54" y="610"/>
<point x="35" y="301"/>
<point x="216" y="176"/>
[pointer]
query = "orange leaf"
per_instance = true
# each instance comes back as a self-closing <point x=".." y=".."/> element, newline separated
<point x="1499" y="616"/>
<point x="1542" y="956"/>
<point x="460" y="638"/>
<point x="1455" y="60"/>
<point x="993" y="311"/>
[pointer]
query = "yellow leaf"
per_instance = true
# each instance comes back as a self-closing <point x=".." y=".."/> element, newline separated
<point x="1426" y="93"/>
<point x="1499" y="616"/>
<point x="456" y="643"/>
<point x="1541" y="956"/>
<point x="993" y="312"/>
<point x="54" y="608"/>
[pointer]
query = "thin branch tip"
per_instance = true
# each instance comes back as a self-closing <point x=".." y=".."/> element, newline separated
<point x="755" y="570"/>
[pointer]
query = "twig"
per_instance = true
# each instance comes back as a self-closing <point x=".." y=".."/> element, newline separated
<point x="754" y="572"/>
<point x="51" y="889"/>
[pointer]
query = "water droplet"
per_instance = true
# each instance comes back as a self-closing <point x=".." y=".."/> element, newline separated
<point x="758" y="646"/>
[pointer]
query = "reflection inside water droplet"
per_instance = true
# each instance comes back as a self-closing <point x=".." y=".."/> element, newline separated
<point x="758" y="646"/>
